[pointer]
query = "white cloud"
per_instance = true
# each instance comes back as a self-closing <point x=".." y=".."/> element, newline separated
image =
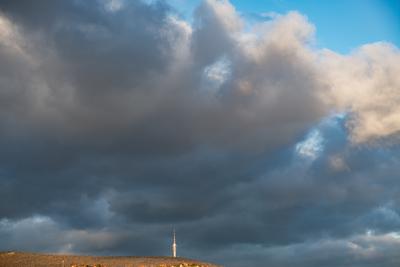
<point x="311" y="146"/>
<point x="366" y="84"/>
<point x="113" y="5"/>
<point x="216" y="74"/>
<point x="226" y="14"/>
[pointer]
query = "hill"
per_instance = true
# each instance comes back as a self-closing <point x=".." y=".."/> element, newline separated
<point x="22" y="259"/>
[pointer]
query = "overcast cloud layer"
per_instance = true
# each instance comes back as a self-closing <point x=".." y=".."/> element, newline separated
<point x="120" y="120"/>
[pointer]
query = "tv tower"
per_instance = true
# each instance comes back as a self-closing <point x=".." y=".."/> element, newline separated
<point x="174" y="245"/>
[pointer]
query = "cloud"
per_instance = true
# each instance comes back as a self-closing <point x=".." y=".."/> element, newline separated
<point x="27" y="234"/>
<point x="92" y="85"/>
<point x="359" y="250"/>
<point x="365" y="84"/>
<point x="118" y="119"/>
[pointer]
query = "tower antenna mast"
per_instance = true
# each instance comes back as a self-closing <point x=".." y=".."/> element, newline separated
<point x="174" y="245"/>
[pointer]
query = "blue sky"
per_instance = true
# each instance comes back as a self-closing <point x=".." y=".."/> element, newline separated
<point x="341" y="25"/>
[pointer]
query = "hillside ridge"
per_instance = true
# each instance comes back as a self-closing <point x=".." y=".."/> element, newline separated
<point x="30" y="259"/>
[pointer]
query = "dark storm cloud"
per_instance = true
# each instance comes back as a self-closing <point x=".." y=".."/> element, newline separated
<point x="111" y="77"/>
<point x="106" y="87"/>
<point x="118" y="120"/>
<point x="311" y="213"/>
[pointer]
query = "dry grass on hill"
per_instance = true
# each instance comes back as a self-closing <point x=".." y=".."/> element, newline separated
<point x="20" y="259"/>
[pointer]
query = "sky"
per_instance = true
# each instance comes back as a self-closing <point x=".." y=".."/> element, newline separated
<point x="267" y="133"/>
<point x="342" y="25"/>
